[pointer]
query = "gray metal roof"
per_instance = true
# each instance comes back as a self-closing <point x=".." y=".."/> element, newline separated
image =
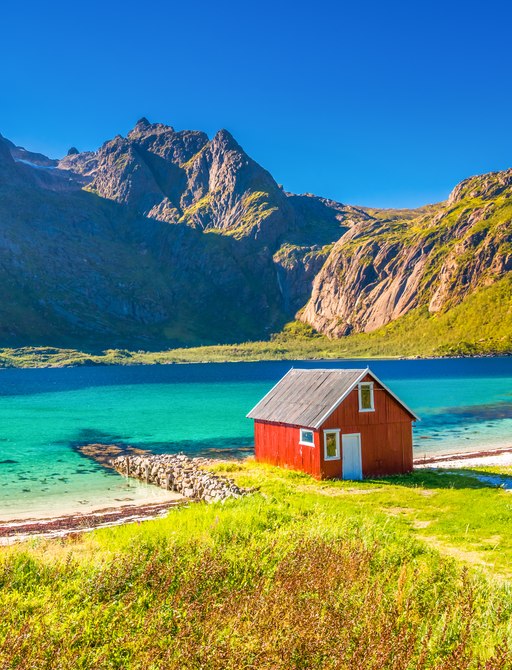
<point x="306" y="397"/>
<point x="303" y="397"/>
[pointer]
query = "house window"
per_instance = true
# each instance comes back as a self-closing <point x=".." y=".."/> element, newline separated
<point x="307" y="437"/>
<point x="366" y="403"/>
<point x="332" y="445"/>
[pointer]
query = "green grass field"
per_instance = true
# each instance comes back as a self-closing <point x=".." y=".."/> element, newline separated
<point x="403" y="572"/>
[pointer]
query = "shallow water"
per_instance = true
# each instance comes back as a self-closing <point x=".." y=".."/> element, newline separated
<point x="464" y="404"/>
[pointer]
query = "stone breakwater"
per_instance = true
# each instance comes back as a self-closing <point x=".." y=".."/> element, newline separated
<point x="178" y="473"/>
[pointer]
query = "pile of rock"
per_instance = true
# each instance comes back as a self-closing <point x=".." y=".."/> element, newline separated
<point x="177" y="472"/>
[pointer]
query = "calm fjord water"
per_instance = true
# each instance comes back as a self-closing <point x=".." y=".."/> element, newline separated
<point x="464" y="404"/>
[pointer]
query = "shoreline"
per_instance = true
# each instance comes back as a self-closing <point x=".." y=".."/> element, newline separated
<point x="484" y="457"/>
<point x="63" y="525"/>
<point x="17" y="530"/>
<point x="47" y="357"/>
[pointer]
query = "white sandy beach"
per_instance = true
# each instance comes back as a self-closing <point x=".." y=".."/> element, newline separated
<point x="139" y="496"/>
<point x="491" y="458"/>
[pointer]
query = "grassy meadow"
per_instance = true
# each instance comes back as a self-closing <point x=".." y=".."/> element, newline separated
<point x="401" y="572"/>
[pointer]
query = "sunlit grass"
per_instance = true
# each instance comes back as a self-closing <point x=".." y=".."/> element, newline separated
<point x="301" y="574"/>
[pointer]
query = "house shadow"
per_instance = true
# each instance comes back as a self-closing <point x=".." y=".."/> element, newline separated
<point x="452" y="478"/>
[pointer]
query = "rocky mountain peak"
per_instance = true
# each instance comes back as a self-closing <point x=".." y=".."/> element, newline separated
<point x="225" y="141"/>
<point x="347" y="269"/>
<point x="5" y="152"/>
<point x="164" y="141"/>
<point x="144" y="128"/>
<point x="484" y="186"/>
<point x="117" y="142"/>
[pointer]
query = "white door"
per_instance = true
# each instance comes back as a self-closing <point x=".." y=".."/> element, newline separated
<point x="351" y="456"/>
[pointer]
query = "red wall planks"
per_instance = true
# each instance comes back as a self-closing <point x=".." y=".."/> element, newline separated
<point x="386" y="438"/>
<point x="278" y="444"/>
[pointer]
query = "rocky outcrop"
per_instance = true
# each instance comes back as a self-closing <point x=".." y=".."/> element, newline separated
<point x="487" y="186"/>
<point x="88" y="258"/>
<point x="165" y="238"/>
<point x="366" y="282"/>
<point x="177" y="472"/>
<point x="81" y="166"/>
<point x="383" y="268"/>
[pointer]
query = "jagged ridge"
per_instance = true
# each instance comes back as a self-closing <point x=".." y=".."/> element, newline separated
<point x="167" y="237"/>
<point x="88" y="255"/>
<point x="436" y="256"/>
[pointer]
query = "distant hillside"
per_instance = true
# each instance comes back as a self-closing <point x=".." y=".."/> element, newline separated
<point x="434" y="257"/>
<point x="167" y="238"/>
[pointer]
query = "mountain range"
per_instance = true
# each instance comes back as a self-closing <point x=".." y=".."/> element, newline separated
<point x="166" y="238"/>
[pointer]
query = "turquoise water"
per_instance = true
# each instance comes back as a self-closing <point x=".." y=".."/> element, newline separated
<point x="464" y="404"/>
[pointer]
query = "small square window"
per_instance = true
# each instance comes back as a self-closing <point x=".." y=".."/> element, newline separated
<point x="366" y="400"/>
<point x="307" y="437"/>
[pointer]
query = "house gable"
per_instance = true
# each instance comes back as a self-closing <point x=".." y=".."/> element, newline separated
<point x="367" y="377"/>
<point x="307" y="397"/>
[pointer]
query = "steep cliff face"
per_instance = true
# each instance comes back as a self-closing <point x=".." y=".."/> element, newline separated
<point x="364" y="283"/>
<point x="183" y="177"/>
<point x="380" y="270"/>
<point x="237" y="262"/>
<point x="78" y="269"/>
<point x="167" y="237"/>
<point x="304" y="248"/>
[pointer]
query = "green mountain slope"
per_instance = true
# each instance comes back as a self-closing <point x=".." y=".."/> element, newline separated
<point x="79" y="270"/>
<point x="480" y="325"/>
<point x="167" y="238"/>
<point x="384" y="268"/>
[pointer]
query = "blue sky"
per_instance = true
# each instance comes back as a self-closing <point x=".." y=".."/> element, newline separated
<point x="377" y="103"/>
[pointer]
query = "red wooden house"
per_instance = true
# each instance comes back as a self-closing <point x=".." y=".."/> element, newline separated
<point x="334" y="424"/>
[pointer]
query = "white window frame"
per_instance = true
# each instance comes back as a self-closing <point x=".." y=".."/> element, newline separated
<point x="372" y="397"/>
<point x="305" y="442"/>
<point x="335" y="431"/>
